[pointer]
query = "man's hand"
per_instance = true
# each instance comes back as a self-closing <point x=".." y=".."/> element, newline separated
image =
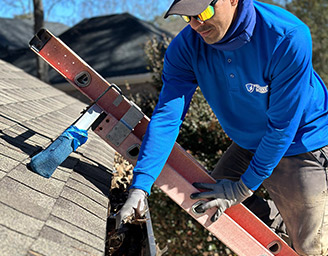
<point x="224" y="194"/>
<point x="135" y="201"/>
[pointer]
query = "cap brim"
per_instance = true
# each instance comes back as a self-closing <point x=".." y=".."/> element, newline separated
<point x="187" y="7"/>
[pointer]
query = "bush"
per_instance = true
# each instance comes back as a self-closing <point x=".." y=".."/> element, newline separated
<point x="202" y="136"/>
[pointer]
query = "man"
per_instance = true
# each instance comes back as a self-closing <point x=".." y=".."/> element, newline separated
<point x="252" y="62"/>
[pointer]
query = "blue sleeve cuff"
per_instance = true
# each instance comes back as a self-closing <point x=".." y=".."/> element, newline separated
<point x="142" y="181"/>
<point x="251" y="179"/>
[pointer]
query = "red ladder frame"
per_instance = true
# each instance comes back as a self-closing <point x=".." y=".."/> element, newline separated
<point x="238" y="228"/>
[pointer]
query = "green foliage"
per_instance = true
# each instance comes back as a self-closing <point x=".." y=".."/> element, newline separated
<point x="155" y="50"/>
<point x="202" y="134"/>
<point x="174" y="228"/>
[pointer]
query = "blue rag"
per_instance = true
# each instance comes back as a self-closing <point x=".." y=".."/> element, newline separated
<point x="46" y="162"/>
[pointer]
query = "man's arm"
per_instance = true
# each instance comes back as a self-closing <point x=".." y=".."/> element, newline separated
<point x="178" y="88"/>
<point x="163" y="128"/>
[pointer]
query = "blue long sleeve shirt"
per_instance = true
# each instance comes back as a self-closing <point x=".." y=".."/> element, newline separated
<point x="258" y="80"/>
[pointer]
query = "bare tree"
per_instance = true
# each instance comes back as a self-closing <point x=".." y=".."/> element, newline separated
<point x="17" y="7"/>
<point x="42" y="67"/>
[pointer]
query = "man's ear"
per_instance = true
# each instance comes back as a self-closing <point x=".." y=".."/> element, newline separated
<point x="234" y="2"/>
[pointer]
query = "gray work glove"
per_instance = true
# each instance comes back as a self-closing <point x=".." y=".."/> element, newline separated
<point x="135" y="202"/>
<point x="224" y="194"/>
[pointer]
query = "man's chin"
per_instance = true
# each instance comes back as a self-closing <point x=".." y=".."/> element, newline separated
<point x="210" y="41"/>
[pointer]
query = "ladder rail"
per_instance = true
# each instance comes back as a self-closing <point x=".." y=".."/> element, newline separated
<point x="241" y="230"/>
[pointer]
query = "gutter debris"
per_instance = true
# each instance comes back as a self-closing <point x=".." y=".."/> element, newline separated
<point x="135" y="237"/>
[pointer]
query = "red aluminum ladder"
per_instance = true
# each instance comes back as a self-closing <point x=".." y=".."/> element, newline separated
<point x="123" y="129"/>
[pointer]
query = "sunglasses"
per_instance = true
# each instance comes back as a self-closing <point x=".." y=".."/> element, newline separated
<point x="203" y="16"/>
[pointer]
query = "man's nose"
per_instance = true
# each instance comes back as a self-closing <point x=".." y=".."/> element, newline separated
<point x="195" y="23"/>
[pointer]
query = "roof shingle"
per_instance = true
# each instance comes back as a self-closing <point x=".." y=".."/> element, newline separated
<point x="63" y="215"/>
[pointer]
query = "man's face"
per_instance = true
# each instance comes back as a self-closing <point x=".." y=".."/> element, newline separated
<point x="214" y="29"/>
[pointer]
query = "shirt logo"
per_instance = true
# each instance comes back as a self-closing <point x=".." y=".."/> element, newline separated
<point x="260" y="89"/>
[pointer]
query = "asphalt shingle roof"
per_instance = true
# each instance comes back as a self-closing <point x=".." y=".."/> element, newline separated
<point x="63" y="215"/>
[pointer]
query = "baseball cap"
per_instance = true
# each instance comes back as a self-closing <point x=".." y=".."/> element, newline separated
<point x="187" y="7"/>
